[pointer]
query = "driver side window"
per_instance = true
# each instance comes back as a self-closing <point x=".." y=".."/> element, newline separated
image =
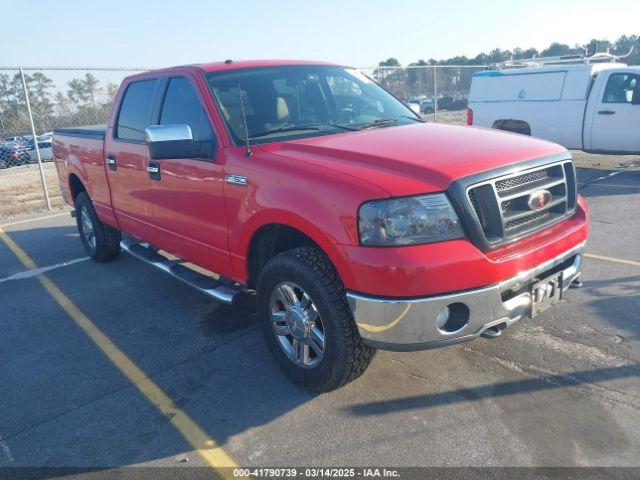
<point x="621" y="88"/>
<point x="182" y="105"/>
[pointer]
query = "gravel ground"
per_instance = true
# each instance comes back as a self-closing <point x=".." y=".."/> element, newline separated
<point x="21" y="190"/>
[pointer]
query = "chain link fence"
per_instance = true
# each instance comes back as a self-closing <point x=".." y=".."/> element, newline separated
<point x="440" y="91"/>
<point x="34" y="101"/>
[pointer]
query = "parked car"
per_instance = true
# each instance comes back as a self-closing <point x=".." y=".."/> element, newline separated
<point x="13" y="154"/>
<point x="589" y="106"/>
<point x="446" y="103"/>
<point x="358" y="226"/>
<point x="427" y="105"/>
<point x="45" y="146"/>
<point x="19" y="139"/>
<point x="451" y="102"/>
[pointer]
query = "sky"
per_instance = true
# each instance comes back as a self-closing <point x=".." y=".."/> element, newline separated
<point x="358" y="33"/>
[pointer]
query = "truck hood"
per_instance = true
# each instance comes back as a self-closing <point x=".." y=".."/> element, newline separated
<point x="416" y="158"/>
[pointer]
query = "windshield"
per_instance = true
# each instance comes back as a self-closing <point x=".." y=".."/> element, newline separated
<point x="301" y="101"/>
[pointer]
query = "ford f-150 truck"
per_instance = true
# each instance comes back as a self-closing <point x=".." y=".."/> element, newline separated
<point x="358" y="226"/>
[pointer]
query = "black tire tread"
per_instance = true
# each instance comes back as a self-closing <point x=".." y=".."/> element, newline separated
<point x="358" y="355"/>
<point x="107" y="237"/>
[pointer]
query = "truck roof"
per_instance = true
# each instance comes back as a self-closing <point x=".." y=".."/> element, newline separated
<point x="228" y="65"/>
<point x="585" y="67"/>
<point x="233" y="64"/>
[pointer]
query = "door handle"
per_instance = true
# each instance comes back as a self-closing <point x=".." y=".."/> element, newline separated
<point x="111" y="163"/>
<point x="153" y="168"/>
<point x="606" y="112"/>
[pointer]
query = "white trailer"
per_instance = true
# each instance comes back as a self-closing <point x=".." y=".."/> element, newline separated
<point x="568" y="100"/>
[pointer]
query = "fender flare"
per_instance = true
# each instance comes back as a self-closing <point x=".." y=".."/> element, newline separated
<point x="327" y="243"/>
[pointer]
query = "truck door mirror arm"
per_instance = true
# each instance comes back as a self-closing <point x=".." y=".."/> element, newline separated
<point x="176" y="141"/>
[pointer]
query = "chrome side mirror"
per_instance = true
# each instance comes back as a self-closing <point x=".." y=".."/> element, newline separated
<point x="168" y="133"/>
<point x="171" y="141"/>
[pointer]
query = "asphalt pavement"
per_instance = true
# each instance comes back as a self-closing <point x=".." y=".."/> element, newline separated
<point x="559" y="390"/>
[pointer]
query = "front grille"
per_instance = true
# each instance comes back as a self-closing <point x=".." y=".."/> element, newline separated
<point x="501" y="204"/>
<point x="513" y="182"/>
<point x="525" y="220"/>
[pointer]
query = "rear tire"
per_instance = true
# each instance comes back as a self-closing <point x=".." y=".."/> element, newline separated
<point x="343" y="356"/>
<point x="100" y="241"/>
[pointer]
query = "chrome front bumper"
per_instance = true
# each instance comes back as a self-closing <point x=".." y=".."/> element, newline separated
<point x="405" y="325"/>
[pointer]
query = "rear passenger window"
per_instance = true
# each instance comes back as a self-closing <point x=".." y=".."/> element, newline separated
<point x="134" y="110"/>
<point x="182" y="105"/>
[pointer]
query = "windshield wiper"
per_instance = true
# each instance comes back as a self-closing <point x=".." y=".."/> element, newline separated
<point x="302" y="127"/>
<point x="419" y="120"/>
<point x="292" y="128"/>
<point x="378" y="123"/>
<point x="337" y="125"/>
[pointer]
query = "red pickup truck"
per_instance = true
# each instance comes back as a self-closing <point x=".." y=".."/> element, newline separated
<point x="358" y="226"/>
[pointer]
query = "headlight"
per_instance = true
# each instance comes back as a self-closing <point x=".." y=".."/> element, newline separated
<point x="408" y="221"/>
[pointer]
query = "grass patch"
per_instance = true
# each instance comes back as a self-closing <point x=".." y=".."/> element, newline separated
<point x="21" y="191"/>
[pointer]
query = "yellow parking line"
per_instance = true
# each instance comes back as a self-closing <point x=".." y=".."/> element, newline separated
<point x="34" y="219"/>
<point x="613" y="259"/>
<point x="17" y="251"/>
<point x="212" y="453"/>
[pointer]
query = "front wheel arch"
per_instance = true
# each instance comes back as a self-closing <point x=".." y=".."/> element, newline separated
<point x="292" y="234"/>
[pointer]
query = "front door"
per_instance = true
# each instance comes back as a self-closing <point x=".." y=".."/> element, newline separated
<point x="616" y="116"/>
<point x="187" y="194"/>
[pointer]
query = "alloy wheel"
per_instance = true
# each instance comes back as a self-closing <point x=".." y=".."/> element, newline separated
<point x="88" y="232"/>
<point x="297" y="325"/>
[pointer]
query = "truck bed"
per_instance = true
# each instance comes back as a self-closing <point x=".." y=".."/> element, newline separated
<point x="88" y="131"/>
<point x="79" y="153"/>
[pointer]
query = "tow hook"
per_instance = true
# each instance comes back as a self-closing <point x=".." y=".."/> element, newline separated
<point x="577" y="283"/>
<point x="492" y="332"/>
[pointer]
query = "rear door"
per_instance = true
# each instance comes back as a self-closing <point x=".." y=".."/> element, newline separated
<point x="187" y="195"/>
<point x="615" y="116"/>
<point x="126" y="157"/>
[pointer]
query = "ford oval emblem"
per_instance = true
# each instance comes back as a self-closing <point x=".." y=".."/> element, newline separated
<point x="539" y="199"/>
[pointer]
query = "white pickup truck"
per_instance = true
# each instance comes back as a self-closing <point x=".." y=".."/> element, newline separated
<point x="588" y="106"/>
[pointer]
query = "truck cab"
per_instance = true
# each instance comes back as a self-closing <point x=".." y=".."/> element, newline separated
<point x="612" y="116"/>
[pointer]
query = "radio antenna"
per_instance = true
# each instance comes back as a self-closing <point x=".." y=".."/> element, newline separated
<point x="244" y="122"/>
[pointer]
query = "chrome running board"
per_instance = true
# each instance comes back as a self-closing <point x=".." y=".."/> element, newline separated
<point x="207" y="285"/>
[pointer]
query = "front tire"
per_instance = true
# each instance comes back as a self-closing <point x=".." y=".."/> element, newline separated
<point x="307" y="323"/>
<point x="100" y="241"/>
